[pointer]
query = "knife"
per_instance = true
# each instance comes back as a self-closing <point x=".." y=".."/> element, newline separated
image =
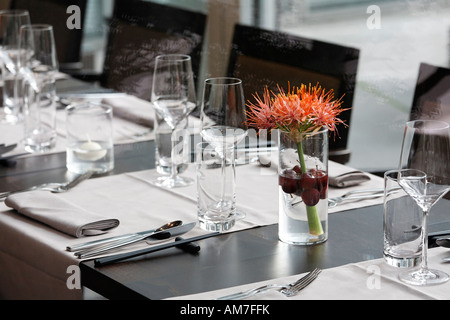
<point x="167" y="233"/>
<point x="128" y="255"/>
<point x="95" y="243"/>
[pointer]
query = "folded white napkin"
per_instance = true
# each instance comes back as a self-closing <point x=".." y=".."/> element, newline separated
<point x="348" y="179"/>
<point x="133" y="109"/>
<point x="60" y="214"/>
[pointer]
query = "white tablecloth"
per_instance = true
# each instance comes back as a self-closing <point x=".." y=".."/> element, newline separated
<point x="368" y="280"/>
<point x="33" y="258"/>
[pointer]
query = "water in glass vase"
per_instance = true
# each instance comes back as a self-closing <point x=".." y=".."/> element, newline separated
<point x="303" y="203"/>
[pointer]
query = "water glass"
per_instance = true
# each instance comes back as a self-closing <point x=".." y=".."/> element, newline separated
<point x="163" y="146"/>
<point x="40" y="117"/>
<point x="10" y="56"/>
<point x="402" y="225"/>
<point x="216" y="188"/>
<point x="89" y="138"/>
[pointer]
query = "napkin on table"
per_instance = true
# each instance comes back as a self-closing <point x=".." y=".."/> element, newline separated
<point x="348" y="179"/>
<point x="132" y="108"/>
<point x="60" y="214"/>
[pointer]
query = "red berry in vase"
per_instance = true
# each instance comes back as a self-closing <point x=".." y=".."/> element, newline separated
<point x="310" y="197"/>
<point x="307" y="181"/>
<point x="321" y="182"/>
<point x="288" y="181"/>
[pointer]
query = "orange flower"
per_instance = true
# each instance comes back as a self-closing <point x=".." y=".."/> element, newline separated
<point x="301" y="110"/>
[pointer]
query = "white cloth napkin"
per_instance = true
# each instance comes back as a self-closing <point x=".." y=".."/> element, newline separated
<point x="60" y="214"/>
<point x="133" y="109"/>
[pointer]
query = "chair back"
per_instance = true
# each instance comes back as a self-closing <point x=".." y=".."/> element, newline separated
<point x="54" y="12"/>
<point x="263" y="58"/>
<point x="432" y="94"/>
<point x="140" y="31"/>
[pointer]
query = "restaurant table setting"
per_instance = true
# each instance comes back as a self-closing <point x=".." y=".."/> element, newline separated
<point x="39" y="258"/>
<point x="367" y="280"/>
<point x="132" y="121"/>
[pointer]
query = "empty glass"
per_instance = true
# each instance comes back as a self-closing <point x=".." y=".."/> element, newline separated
<point x="173" y="97"/>
<point x="39" y="65"/>
<point x="216" y="201"/>
<point x="223" y="120"/>
<point x="425" y="154"/>
<point x="10" y="52"/>
<point x="402" y="225"/>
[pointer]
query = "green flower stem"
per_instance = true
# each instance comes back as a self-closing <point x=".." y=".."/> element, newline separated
<point x="315" y="226"/>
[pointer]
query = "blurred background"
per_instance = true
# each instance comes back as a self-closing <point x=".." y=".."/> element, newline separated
<point x="405" y="34"/>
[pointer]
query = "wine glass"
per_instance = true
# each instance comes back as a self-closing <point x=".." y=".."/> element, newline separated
<point x="223" y="119"/>
<point x="10" y="23"/>
<point x="426" y="178"/>
<point x="38" y="67"/>
<point x="173" y="97"/>
<point x="37" y="41"/>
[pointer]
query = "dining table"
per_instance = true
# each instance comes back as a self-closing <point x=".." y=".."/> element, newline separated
<point x="35" y="262"/>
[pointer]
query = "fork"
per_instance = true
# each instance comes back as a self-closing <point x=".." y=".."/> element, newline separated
<point x="52" y="187"/>
<point x="288" y="290"/>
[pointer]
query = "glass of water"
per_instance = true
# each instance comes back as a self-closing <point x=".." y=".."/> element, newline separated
<point x="90" y="144"/>
<point x="10" y="56"/>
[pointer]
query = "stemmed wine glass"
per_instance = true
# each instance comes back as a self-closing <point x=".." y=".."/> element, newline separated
<point x="173" y="97"/>
<point x="223" y="118"/>
<point x="425" y="154"/>
<point x="39" y="66"/>
<point x="10" y="53"/>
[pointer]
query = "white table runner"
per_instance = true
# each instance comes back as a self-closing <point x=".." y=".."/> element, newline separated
<point x="368" y="280"/>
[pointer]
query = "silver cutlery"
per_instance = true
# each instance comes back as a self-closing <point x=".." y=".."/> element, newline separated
<point x="52" y="187"/>
<point x="101" y="242"/>
<point x="169" y="231"/>
<point x="358" y="195"/>
<point x="288" y="290"/>
<point x="354" y="195"/>
<point x="128" y="255"/>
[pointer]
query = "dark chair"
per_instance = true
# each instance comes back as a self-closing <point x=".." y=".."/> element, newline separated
<point x="141" y="30"/>
<point x="263" y="58"/>
<point x="432" y="94"/>
<point x="54" y="12"/>
<point x="432" y="102"/>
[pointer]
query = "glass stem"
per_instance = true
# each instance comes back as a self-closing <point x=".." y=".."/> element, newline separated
<point x="424" y="266"/>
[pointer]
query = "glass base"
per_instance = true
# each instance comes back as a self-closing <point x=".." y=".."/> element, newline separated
<point x="173" y="182"/>
<point x="216" y="225"/>
<point x="40" y="148"/>
<point x="402" y="262"/>
<point x="422" y="277"/>
<point x="303" y="239"/>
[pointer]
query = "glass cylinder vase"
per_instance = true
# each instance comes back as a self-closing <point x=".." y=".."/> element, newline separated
<point x="303" y="187"/>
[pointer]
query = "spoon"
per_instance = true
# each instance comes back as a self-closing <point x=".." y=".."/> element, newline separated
<point x="114" y="239"/>
<point x="138" y="237"/>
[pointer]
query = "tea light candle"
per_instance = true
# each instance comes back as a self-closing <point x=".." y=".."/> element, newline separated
<point x="90" y="151"/>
